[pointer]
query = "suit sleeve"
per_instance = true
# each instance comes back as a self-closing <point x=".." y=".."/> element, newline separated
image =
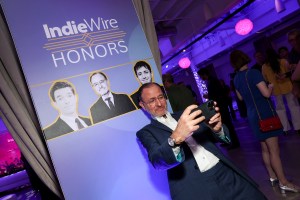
<point x="161" y="155"/>
<point x="220" y="137"/>
<point x="223" y="135"/>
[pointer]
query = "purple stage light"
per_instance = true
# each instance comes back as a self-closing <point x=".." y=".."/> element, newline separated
<point x="184" y="63"/>
<point x="244" y="26"/>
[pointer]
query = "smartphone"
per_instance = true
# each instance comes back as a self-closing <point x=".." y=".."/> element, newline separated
<point x="207" y="108"/>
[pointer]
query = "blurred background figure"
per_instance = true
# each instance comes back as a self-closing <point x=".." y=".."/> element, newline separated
<point x="294" y="55"/>
<point x="283" y="52"/>
<point x="240" y="103"/>
<point x="194" y="94"/>
<point x="179" y="96"/>
<point x="216" y="93"/>
<point x="275" y="71"/>
<point x="260" y="60"/>
<point x="296" y="74"/>
<point x="229" y="99"/>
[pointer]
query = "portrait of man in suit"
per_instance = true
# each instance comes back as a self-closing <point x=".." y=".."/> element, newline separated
<point x="65" y="100"/>
<point x="109" y="104"/>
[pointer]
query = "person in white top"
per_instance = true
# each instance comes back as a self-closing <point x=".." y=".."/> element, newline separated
<point x="179" y="143"/>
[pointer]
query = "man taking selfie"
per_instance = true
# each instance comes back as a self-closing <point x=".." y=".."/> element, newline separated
<point x="179" y="144"/>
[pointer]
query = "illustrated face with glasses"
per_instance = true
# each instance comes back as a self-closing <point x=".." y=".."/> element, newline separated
<point x="154" y="101"/>
<point x="99" y="84"/>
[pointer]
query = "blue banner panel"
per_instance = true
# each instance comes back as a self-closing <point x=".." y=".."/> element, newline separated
<point x="79" y="58"/>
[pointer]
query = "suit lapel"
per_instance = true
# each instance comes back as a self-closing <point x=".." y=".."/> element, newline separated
<point x="160" y="125"/>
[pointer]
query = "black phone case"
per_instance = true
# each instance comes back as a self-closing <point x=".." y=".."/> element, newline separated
<point x="207" y="108"/>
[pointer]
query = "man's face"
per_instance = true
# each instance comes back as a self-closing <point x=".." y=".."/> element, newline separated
<point x="144" y="75"/>
<point x="292" y="40"/>
<point x="153" y="101"/>
<point x="283" y="53"/>
<point x="100" y="84"/>
<point x="65" y="101"/>
<point x="259" y="57"/>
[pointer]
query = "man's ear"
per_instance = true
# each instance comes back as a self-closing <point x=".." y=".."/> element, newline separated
<point x="142" y="105"/>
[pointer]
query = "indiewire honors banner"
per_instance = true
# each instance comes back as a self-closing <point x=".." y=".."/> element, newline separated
<point x="83" y="62"/>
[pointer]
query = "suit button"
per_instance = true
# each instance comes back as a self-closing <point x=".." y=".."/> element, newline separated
<point x="196" y="167"/>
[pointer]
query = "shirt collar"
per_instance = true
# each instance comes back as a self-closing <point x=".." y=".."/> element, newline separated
<point x="160" y="119"/>
<point x="68" y="118"/>
<point x="109" y="96"/>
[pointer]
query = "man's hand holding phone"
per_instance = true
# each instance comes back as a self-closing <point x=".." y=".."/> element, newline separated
<point x="212" y="116"/>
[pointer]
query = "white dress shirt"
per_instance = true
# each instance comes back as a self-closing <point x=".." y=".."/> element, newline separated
<point x="71" y="122"/>
<point x="205" y="159"/>
<point x="108" y="96"/>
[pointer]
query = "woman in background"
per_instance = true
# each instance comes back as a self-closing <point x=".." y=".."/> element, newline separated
<point x="296" y="74"/>
<point x="276" y="72"/>
<point x="251" y="87"/>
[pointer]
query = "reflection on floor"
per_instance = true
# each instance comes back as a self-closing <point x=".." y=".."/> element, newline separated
<point x="24" y="192"/>
<point x="247" y="157"/>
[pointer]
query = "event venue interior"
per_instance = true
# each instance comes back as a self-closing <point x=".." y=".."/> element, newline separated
<point x="199" y="34"/>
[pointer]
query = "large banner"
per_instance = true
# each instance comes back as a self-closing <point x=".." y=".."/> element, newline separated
<point x="83" y="62"/>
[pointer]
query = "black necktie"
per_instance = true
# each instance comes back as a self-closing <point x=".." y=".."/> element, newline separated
<point x="79" y="124"/>
<point x="110" y="103"/>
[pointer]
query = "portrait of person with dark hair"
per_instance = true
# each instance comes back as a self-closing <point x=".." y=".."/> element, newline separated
<point x="143" y="73"/>
<point x="65" y="100"/>
<point x="109" y="104"/>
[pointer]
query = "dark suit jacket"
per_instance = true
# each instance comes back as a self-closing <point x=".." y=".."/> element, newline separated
<point x="135" y="99"/>
<point x="60" y="127"/>
<point x="257" y="66"/>
<point x="100" y="111"/>
<point x="184" y="177"/>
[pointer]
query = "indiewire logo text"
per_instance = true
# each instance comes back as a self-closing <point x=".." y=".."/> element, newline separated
<point x="81" y="42"/>
<point x="71" y="28"/>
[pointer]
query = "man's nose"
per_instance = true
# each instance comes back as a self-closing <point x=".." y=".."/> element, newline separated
<point x="157" y="101"/>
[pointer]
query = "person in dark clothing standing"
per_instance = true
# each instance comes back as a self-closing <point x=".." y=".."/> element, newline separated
<point x="216" y="93"/>
<point x="294" y="55"/>
<point x="260" y="60"/>
<point x="180" y="96"/>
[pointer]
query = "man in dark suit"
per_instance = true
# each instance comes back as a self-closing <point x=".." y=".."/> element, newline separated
<point x="179" y="96"/>
<point x="216" y="92"/>
<point x="260" y="60"/>
<point x="294" y="55"/>
<point x="179" y="144"/>
<point x="109" y="104"/>
<point x="64" y="99"/>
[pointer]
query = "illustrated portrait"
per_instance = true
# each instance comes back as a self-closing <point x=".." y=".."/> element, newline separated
<point x="64" y="99"/>
<point x="109" y="104"/>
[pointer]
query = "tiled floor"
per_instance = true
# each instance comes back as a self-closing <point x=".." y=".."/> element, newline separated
<point x="248" y="157"/>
